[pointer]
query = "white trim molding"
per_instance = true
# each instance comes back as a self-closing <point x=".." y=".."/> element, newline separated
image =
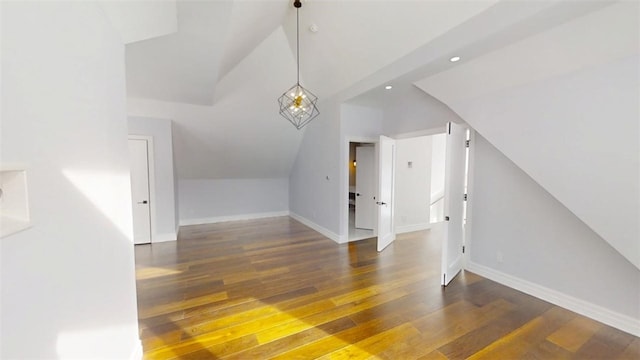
<point x="344" y="188"/>
<point x="217" y="219"/>
<point x="593" y="311"/>
<point x="322" y="230"/>
<point x="158" y="238"/>
<point x="411" y="228"/>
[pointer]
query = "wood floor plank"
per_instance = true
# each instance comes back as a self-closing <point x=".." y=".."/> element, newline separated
<point x="333" y="342"/>
<point x="545" y="350"/>
<point x="575" y="333"/>
<point x="273" y="348"/>
<point x="373" y="345"/>
<point x="181" y="304"/>
<point x="275" y="289"/>
<point x="607" y="342"/>
<point x="520" y="341"/>
<point x="632" y="351"/>
<point x="332" y="313"/>
<point x="434" y="355"/>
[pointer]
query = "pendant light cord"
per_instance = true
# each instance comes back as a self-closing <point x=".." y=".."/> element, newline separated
<point x="298" y="41"/>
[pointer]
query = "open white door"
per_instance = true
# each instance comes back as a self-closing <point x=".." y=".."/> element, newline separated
<point x="453" y="202"/>
<point x="365" y="189"/>
<point x="386" y="164"/>
<point x="139" y="160"/>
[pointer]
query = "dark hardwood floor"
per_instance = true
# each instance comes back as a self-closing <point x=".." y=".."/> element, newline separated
<point x="273" y="288"/>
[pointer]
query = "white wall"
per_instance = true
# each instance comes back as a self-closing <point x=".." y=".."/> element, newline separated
<point x="412" y="184"/>
<point x="543" y="243"/>
<point x="175" y="184"/>
<point x="223" y="140"/>
<point x="360" y="122"/>
<point x="413" y="110"/>
<point x="219" y="184"/>
<point x="357" y="123"/>
<point x="164" y="227"/>
<point x="326" y="204"/>
<point x="568" y="118"/>
<point x="584" y="128"/>
<point x="315" y="190"/>
<point x="212" y="200"/>
<point x="438" y="156"/>
<point x="68" y="288"/>
<point x="142" y="20"/>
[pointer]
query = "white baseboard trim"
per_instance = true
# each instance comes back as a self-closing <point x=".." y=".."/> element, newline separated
<point x="158" y="238"/>
<point x="411" y="228"/>
<point x="137" y="352"/>
<point x="217" y="219"/>
<point x="593" y="311"/>
<point x="322" y="230"/>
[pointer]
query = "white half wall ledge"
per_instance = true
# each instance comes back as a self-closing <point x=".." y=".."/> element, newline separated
<point x="321" y="229"/>
<point x="219" y="219"/>
<point x="619" y="321"/>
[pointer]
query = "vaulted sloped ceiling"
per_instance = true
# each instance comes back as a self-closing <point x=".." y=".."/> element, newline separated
<point x="182" y="66"/>
<point x="563" y="106"/>
<point x="219" y="76"/>
<point x="251" y="22"/>
<point x="242" y="136"/>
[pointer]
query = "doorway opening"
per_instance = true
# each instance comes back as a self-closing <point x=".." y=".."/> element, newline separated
<point x="362" y="189"/>
<point x="436" y="200"/>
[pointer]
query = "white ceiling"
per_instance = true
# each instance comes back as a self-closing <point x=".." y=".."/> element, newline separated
<point x="219" y="76"/>
<point x="141" y="20"/>
<point x="182" y="66"/>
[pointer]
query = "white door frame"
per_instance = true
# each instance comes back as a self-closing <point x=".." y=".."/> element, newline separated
<point x="466" y="256"/>
<point x="152" y="180"/>
<point x="344" y="194"/>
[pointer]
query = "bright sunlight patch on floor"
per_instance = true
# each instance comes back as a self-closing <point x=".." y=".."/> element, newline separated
<point x="154" y="272"/>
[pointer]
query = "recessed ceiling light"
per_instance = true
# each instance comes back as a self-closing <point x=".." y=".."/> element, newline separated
<point x="388" y="87"/>
<point x="455" y="58"/>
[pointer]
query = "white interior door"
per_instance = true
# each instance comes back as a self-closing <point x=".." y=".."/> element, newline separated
<point x="139" y="159"/>
<point x="453" y="202"/>
<point x="365" y="190"/>
<point x="386" y="164"/>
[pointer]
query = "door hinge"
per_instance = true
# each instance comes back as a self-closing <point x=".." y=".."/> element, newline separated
<point x="465" y="197"/>
<point x="446" y="218"/>
<point x="463" y="248"/>
<point x="449" y="128"/>
<point x="466" y="143"/>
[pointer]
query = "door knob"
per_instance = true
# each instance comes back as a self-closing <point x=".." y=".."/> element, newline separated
<point x="142" y="202"/>
<point x="357" y="194"/>
<point x="381" y="203"/>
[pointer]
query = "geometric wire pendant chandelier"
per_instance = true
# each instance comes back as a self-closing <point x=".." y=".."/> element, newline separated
<point x="298" y="105"/>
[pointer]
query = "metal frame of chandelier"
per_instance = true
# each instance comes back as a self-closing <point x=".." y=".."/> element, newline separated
<point x="298" y="105"/>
